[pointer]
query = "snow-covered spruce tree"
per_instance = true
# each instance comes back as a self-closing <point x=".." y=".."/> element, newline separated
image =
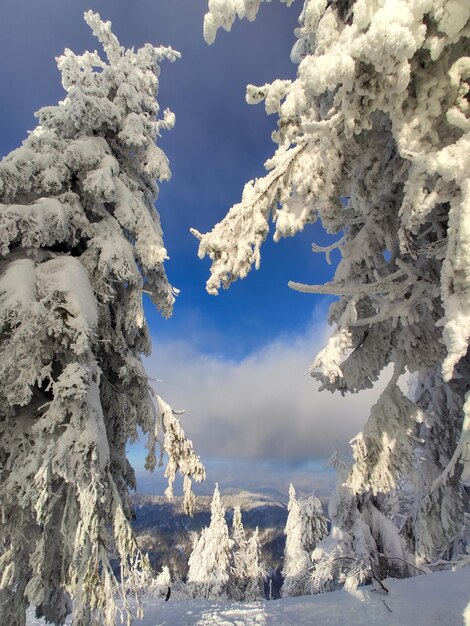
<point x="160" y="586"/>
<point x="363" y="542"/>
<point x="209" y="563"/>
<point x="374" y="141"/>
<point x="150" y="583"/>
<point x="247" y="570"/>
<point x="305" y="527"/>
<point x="297" y="560"/>
<point x="239" y="563"/>
<point x="80" y="241"/>
<point x="257" y="571"/>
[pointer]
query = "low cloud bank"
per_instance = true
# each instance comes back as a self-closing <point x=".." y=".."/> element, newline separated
<point x="259" y="418"/>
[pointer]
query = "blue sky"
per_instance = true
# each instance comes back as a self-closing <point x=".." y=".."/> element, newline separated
<point x="235" y="362"/>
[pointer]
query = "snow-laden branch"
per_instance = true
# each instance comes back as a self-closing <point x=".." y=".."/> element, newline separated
<point x="386" y="285"/>
<point x="222" y="14"/>
<point x="179" y="450"/>
<point x="234" y="252"/>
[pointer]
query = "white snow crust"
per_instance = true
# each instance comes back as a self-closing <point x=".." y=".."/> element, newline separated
<point x="429" y="600"/>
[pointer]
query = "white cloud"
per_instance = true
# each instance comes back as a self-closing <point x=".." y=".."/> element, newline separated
<point x="261" y="408"/>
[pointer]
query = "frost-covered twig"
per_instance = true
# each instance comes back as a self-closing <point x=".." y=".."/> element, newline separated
<point x="327" y="250"/>
<point x="386" y="285"/>
<point x="402" y="560"/>
<point x="371" y="569"/>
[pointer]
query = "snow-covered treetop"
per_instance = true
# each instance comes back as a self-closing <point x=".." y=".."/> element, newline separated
<point x="217" y="510"/>
<point x="238" y="531"/>
<point x="119" y="98"/>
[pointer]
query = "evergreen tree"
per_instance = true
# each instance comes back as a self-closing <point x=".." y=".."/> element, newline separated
<point x="256" y="572"/>
<point x="209" y="563"/>
<point x="305" y="527"/>
<point x="153" y="584"/>
<point x="439" y="504"/>
<point x="239" y="563"/>
<point x="163" y="583"/>
<point x="297" y="560"/>
<point x="79" y="241"/>
<point x="373" y="141"/>
<point x="248" y="571"/>
<point x="363" y="542"/>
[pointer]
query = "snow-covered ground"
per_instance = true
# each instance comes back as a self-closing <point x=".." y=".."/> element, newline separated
<point x="431" y="600"/>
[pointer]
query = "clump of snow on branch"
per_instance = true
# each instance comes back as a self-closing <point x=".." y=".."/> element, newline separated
<point x="222" y="14"/>
<point x="374" y="141"/>
<point x="80" y="240"/>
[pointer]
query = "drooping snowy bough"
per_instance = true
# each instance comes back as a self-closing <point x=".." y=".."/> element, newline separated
<point x="374" y="141"/>
<point x="80" y="241"/>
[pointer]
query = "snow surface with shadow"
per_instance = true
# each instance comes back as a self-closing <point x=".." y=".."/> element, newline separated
<point x="431" y="600"/>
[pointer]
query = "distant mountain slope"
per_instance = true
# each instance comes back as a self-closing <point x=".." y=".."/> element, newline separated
<point x="245" y="499"/>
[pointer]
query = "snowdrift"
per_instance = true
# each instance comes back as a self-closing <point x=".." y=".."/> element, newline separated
<point x="430" y="600"/>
